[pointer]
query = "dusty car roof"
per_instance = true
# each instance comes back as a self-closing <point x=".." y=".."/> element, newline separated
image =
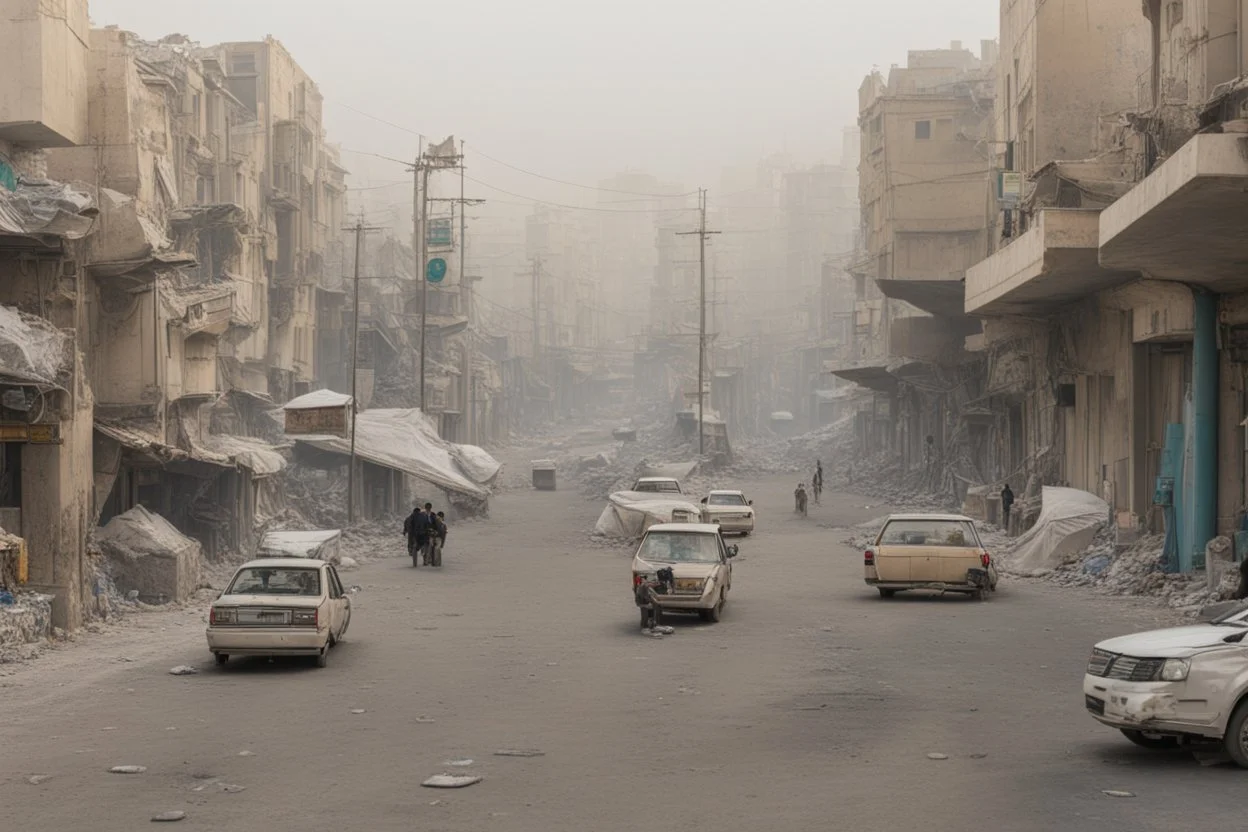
<point x="656" y="479"/>
<point x="929" y="517"/>
<point x="728" y="491"/>
<point x="699" y="528"/>
<point x="283" y="563"/>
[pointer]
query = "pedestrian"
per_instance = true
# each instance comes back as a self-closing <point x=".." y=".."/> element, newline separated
<point x="409" y="529"/>
<point x="817" y="480"/>
<point x="1007" y="502"/>
<point x="439" y="532"/>
<point x="424" y="532"/>
<point x="799" y="499"/>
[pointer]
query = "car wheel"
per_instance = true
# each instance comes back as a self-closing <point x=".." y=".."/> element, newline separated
<point x="1236" y="740"/>
<point x="1155" y="742"/>
<point x="322" y="658"/>
<point x="713" y="615"/>
<point x="887" y="593"/>
<point x="221" y="658"/>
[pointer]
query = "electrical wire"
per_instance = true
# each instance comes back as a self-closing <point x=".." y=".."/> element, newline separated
<point x="578" y="207"/>
<point x="485" y="155"/>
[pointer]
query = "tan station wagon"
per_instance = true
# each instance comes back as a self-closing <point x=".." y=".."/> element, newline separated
<point x="940" y="552"/>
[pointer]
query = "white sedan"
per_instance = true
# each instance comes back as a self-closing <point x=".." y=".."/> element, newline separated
<point x="700" y="562"/>
<point x="1165" y="688"/>
<point x="280" y="607"/>
<point x="730" y="510"/>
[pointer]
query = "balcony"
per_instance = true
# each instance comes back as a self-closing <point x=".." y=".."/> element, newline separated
<point x="1053" y="263"/>
<point x="43" y="72"/>
<point x="1185" y="221"/>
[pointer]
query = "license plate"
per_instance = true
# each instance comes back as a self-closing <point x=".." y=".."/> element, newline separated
<point x="688" y="584"/>
<point x="263" y="617"/>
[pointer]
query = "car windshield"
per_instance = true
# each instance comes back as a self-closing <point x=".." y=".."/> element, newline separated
<point x="667" y="487"/>
<point x="726" y="500"/>
<point x="266" y="580"/>
<point x="679" y="547"/>
<point x="1234" y="616"/>
<point x="923" y="532"/>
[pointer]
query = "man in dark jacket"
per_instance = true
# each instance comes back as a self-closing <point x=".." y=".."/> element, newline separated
<point x="1007" y="502"/>
<point x="416" y="528"/>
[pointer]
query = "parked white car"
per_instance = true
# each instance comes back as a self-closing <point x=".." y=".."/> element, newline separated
<point x="1168" y="687"/>
<point x="658" y="485"/>
<point x="730" y="510"/>
<point x="280" y="607"/>
<point x="699" y="560"/>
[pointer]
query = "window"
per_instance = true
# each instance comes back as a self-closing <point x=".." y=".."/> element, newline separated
<point x="276" y="581"/>
<point x="243" y="63"/>
<point x="680" y="547"/>
<point x="922" y="130"/>
<point x="928" y="532"/>
<point x="726" y="500"/>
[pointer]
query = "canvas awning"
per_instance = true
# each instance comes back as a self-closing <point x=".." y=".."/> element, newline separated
<point x="871" y="376"/>
<point x="46" y="211"/>
<point x="137" y="438"/>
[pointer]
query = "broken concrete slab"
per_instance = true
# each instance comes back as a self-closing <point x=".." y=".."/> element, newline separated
<point x="451" y="781"/>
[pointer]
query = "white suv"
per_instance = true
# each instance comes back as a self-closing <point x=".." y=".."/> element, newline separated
<point x="1167" y="687"/>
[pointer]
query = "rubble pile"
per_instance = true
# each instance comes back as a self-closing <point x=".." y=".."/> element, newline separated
<point x="25" y="624"/>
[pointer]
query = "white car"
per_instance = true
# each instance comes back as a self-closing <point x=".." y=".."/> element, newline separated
<point x="1169" y="687"/>
<point x="280" y="607"/>
<point x="730" y="510"/>
<point x="658" y="485"/>
<point x="699" y="560"/>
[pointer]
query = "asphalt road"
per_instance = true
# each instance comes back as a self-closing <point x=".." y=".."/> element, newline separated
<point x="812" y="706"/>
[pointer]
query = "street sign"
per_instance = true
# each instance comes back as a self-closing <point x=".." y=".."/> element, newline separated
<point x="438" y="234"/>
<point x="436" y="270"/>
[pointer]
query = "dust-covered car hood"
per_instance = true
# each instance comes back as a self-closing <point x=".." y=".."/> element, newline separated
<point x="1172" y="642"/>
<point x="680" y="570"/>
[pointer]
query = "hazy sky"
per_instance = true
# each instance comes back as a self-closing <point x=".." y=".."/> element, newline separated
<point x="579" y="90"/>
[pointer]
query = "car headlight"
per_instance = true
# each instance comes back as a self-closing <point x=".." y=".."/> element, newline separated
<point x="1175" y="670"/>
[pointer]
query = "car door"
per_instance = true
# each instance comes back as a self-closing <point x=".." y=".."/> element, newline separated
<point x="342" y="601"/>
<point x="724" y="570"/>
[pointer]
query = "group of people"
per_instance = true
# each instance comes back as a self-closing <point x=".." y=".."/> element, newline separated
<point x="801" y="497"/>
<point x="425" y="531"/>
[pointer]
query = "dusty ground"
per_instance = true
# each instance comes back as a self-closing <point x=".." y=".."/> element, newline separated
<point x="812" y="706"/>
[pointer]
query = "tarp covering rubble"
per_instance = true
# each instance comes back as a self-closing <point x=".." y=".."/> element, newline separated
<point x="1069" y="520"/>
<point x="32" y="349"/>
<point x="629" y="513"/>
<point x="318" y="399"/>
<point x="148" y="555"/>
<point x="46" y="210"/>
<point x="258" y="456"/>
<point x="406" y="440"/>
<point x="315" y="545"/>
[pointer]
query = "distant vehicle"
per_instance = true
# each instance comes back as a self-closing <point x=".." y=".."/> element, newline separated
<point x="658" y="485"/>
<point x="701" y="562"/>
<point x="280" y="607"/>
<point x="730" y="510"/>
<point x="940" y="552"/>
<point x="1177" y="686"/>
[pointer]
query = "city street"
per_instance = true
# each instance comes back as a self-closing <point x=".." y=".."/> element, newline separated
<point x="813" y="705"/>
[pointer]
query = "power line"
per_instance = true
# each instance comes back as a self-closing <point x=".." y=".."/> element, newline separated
<point x="577" y="184"/>
<point x="578" y="207"/>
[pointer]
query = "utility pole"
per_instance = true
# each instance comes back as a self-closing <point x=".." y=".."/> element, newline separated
<point x="537" y="305"/>
<point x="702" y="235"/>
<point x="359" y="230"/>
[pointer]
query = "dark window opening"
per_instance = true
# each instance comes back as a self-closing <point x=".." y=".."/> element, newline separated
<point x="922" y="129"/>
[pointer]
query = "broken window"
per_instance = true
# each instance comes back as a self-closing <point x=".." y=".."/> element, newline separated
<point x="243" y="63"/>
<point x="922" y="130"/>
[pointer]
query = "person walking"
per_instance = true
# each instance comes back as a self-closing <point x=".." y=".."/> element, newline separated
<point x="817" y="481"/>
<point x="410" y="526"/>
<point x="800" y="499"/>
<point x="1007" y="502"/>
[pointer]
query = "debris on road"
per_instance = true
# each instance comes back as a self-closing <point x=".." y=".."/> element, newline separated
<point x="935" y="756"/>
<point x="458" y="763"/>
<point x="246" y="753"/>
<point x="425" y="720"/>
<point x="169" y="817"/>
<point x="1116" y="793"/>
<point x="451" y="781"/>
<point x="127" y="769"/>
<point x="38" y="779"/>
<point x="230" y="788"/>
<point x="357" y="711"/>
<point x="183" y="670"/>
<point x="519" y="752"/>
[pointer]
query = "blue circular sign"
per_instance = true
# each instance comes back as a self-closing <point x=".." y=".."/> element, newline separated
<point x="436" y="270"/>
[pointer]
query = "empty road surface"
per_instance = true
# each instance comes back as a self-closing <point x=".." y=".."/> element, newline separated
<point x="813" y="705"/>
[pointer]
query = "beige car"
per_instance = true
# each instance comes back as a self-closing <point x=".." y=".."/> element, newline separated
<point x="730" y="510"/>
<point x="940" y="552"/>
<point x="700" y="561"/>
<point x="280" y="607"/>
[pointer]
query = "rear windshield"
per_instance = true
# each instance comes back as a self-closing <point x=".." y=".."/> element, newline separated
<point x="679" y="547"/>
<point x="928" y="533"/>
<point x="670" y="487"/>
<point x="726" y="500"/>
<point x="276" y="581"/>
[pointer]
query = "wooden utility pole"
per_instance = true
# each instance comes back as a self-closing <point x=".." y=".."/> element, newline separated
<point x="702" y="235"/>
<point x="359" y="230"/>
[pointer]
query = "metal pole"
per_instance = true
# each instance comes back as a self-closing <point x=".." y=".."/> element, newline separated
<point x="701" y="321"/>
<point x="537" y="276"/>
<point x="467" y="296"/>
<point x="355" y="353"/>
<point x="424" y="279"/>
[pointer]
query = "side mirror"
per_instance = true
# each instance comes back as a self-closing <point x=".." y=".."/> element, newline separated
<point x="750" y="502"/>
<point x="733" y="550"/>
<point x="703" y="501"/>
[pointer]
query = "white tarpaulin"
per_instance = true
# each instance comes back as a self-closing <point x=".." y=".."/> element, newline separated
<point x="32" y="349"/>
<point x="148" y="555"/>
<point x="629" y="513"/>
<point x="407" y="441"/>
<point x="316" y="545"/>
<point x="318" y="399"/>
<point x="261" y="458"/>
<point x="1069" y="519"/>
<point x="476" y="463"/>
<point x="45" y="210"/>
